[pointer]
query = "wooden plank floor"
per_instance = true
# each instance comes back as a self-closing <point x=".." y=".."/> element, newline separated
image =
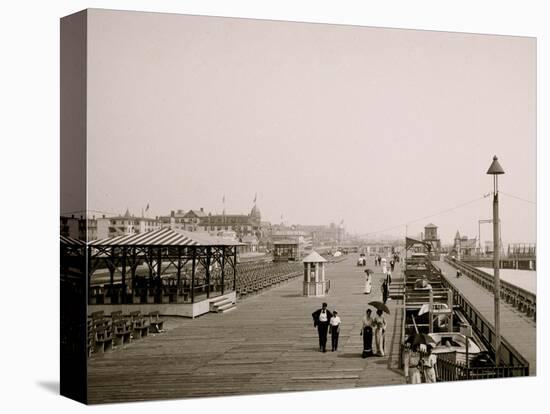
<point x="267" y="344"/>
<point x="518" y="329"/>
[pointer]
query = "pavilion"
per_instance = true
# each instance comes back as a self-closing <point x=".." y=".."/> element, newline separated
<point x="174" y="271"/>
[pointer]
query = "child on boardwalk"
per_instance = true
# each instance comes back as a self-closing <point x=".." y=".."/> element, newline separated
<point x="335" y="322"/>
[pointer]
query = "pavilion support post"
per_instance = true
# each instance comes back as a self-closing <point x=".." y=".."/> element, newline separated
<point x="89" y="271"/>
<point x="159" y="273"/>
<point x="124" y="252"/>
<point x="234" y="267"/>
<point x="133" y="268"/>
<point x="112" y="270"/>
<point x="224" y="252"/>
<point x="179" y="272"/>
<point x="208" y="262"/>
<point x="150" y="264"/>
<point x="193" y="270"/>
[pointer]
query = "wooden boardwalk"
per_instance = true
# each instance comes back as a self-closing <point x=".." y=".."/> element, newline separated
<point x="267" y="344"/>
<point x="518" y="329"/>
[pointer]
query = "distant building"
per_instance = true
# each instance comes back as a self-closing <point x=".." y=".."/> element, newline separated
<point x="126" y="224"/>
<point x="324" y="234"/>
<point x="82" y="228"/>
<point x="430" y="236"/>
<point x="180" y="220"/>
<point x="286" y="236"/>
<point x="241" y="224"/>
<point x="226" y="234"/>
<point x="463" y="246"/>
<point x="250" y="244"/>
<point x="285" y="250"/>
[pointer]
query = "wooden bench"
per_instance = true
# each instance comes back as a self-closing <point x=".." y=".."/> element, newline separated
<point x="140" y="326"/>
<point x="103" y="339"/>
<point x="97" y="315"/>
<point x="90" y="342"/>
<point x="122" y="328"/>
<point x="155" y="323"/>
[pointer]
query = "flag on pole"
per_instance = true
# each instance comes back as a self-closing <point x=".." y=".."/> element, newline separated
<point x="255" y="197"/>
<point x="147" y="208"/>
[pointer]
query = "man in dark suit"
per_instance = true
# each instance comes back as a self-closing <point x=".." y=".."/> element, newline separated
<point x="385" y="292"/>
<point x="321" y="319"/>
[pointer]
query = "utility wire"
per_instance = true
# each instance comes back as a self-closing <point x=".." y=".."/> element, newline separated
<point x="519" y="198"/>
<point x="431" y="215"/>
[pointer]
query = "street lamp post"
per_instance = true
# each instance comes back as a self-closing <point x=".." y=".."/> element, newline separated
<point x="495" y="170"/>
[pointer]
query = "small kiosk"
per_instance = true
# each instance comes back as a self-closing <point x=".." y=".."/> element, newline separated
<point x="286" y="251"/>
<point x="314" y="275"/>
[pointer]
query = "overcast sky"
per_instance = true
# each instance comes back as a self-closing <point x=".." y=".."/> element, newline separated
<point x="376" y="127"/>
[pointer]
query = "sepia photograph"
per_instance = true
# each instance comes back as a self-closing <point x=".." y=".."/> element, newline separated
<point x="258" y="206"/>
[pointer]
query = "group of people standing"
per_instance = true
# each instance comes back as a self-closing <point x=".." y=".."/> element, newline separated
<point x="373" y="330"/>
<point x="419" y="363"/>
<point x="381" y="261"/>
<point x="373" y="327"/>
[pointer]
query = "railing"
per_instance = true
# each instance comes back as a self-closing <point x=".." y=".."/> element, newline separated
<point x="521" y="299"/>
<point x="509" y="356"/>
<point x="448" y="370"/>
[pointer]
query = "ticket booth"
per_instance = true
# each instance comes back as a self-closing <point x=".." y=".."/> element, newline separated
<point x="315" y="283"/>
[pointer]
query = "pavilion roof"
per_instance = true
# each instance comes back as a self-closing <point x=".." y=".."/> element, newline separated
<point x="165" y="237"/>
<point x="70" y="241"/>
<point x="285" y="241"/>
<point x="314" y="257"/>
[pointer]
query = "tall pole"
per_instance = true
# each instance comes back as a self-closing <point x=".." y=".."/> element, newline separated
<point x="495" y="170"/>
<point x="496" y="266"/>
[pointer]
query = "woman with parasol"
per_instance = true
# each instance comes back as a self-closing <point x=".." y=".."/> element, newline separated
<point x="379" y="324"/>
<point x="418" y="359"/>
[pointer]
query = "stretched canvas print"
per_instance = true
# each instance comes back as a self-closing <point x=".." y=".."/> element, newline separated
<point x="253" y="206"/>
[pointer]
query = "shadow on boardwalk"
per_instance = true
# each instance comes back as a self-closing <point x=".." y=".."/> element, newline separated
<point x="268" y="344"/>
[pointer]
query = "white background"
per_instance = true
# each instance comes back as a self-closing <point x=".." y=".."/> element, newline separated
<point x="29" y="133"/>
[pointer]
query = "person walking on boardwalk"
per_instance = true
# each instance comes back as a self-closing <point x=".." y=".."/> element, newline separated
<point x="379" y="323"/>
<point x="392" y="264"/>
<point x="335" y="322"/>
<point x="412" y="364"/>
<point x="385" y="291"/>
<point x="429" y="365"/>
<point x="366" y="332"/>
<point x="368" y="283"/>
<point x="388" y="276"/>
<point x="321" y="318"/>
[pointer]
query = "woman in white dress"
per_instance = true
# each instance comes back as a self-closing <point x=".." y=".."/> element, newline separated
<point x="412" y="364"/>
<point x="368" y="283"/>
<point x="429" y="362"/>
<point x="384" y="266"/>
<point x="380" y="329"/>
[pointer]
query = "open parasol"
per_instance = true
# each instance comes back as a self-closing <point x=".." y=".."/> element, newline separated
<point x="420" y="339"/>
<point x="380" y="306"/>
